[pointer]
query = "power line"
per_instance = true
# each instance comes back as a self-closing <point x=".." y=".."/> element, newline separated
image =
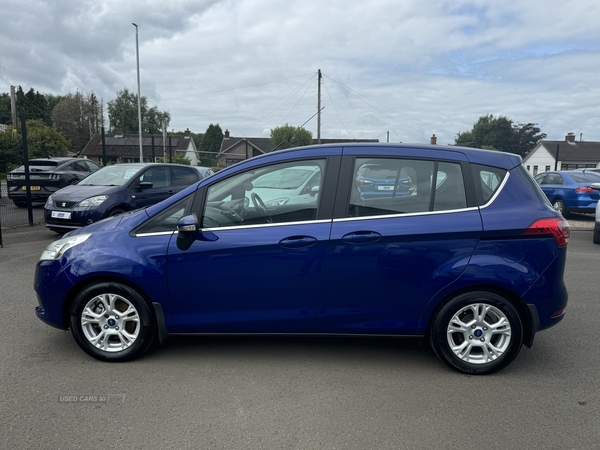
<point x="231" y="89"/>
<point x="336" y="111"/>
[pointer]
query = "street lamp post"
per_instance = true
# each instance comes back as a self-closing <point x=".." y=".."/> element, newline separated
<point x="137" y="57"/>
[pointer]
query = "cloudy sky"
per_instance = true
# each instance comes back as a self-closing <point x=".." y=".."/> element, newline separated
<point x="412" y="68"/>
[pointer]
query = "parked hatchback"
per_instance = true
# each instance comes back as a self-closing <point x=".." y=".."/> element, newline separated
<point x="570" y="191"/>
<point x="114" y="190"/>
<point x="46" y="175"/>
<point x="474" y="263"/>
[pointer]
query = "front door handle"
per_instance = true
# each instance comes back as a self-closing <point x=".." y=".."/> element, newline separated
<point x="361" y="237"/>
<point x="298" y="242"/>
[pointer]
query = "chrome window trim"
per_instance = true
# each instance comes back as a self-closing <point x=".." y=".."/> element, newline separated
<point x="400" y="215"/>
<point x="240" y="227"/>
<point x="491" y="200"/>
<point x="159" y="233"/>
<point x="265" y="225"/>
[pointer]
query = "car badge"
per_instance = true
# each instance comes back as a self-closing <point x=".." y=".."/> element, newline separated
<point x="64" y="204"/>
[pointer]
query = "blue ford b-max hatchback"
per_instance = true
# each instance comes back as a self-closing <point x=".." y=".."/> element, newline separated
<point x="471" y="257"/>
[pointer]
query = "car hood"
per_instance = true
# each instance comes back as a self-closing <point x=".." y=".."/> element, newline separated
<point x="76" y="193"/>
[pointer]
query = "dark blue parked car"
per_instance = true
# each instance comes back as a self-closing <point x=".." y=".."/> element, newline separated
<point x="474" y="262"/>
<point x="569" y="190"/>
<point x="116" y="189"/>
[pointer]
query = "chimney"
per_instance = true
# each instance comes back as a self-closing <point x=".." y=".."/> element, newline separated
<point x="226" y="134"/>
<point x="187" y="134"/>
<point x="570" y="137"/>
<point x="433" y="140"/>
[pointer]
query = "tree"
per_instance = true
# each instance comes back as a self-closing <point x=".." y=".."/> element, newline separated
<point x="123" y="114"/>
<point x="78" y="116"/>
<point x="44" y="141"/>
<point x="10" y="151"/>
<point x="33" y="105"/>
<point x="501" y="134"/>
<point x="289" y="136"/>
<point x="210" y="145"/>
<point x="5" y="112"/>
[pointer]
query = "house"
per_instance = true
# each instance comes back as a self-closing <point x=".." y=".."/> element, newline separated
<point x="3" y="128"/>
<point x="236" y="149"/>
<point x="564" y="155"/>
<point x="122" y="148"/>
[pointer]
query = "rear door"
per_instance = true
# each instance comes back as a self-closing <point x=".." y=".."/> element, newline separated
<point x="390" y="253"/>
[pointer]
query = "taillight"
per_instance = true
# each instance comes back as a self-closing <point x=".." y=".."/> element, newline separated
<point x="584" y="190"/>
<point x="556" y="227"/>
<point x="363" y="182"/>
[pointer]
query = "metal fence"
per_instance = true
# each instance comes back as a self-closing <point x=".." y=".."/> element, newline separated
<point x="12" y="216"/>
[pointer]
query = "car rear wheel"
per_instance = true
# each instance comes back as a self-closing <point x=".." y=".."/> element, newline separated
<point x="20" y="204"/>
<point x="596" y="233"/>
<point x="477" y="333"/>
<point x="112" y="322"/>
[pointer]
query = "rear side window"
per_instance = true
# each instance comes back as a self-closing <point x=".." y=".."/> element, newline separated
<point x="183" y="177"/>
<point x="487" y="181"/>
<point x="384" y="186"/>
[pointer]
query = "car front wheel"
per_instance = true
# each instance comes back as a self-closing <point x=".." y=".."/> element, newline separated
<point x="559" y="205"/>
<point x="477" y="333"/>
<point x="112" y="322"/>
<point x="596" y="233"/>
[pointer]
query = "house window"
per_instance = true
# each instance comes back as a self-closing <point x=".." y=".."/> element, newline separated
<point x="528" y="168"/>
<point x="535" y="170"/>
<point x="547" y="168"/>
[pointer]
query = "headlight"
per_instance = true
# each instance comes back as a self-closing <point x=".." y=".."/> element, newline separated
<point x="93" y="201"/>
<point x="58" y="248"/>
<point x="49" y="203"/>
<point x="277" y="202"/>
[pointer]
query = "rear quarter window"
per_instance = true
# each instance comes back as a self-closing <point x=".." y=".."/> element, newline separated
<point x="487" y="181"/>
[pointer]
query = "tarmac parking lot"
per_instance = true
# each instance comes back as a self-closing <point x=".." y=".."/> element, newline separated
<point x="290" y="392"/>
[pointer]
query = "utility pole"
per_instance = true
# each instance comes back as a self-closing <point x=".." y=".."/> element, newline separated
<point x="137" y="57"/>
<point x="13" y="108"/>
<point x="319" y="109"/>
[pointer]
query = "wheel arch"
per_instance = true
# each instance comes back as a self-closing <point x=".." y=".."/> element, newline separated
<point x="74" y="292"/>
<point x="528" y="321"/>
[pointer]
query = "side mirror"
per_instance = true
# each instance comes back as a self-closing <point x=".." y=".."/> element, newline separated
<point x="145" y="185"/>
<point x="187" y="231"/>
<point x="314" y="190"/>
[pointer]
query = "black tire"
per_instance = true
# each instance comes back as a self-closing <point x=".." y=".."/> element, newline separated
<point x="20" y="204"/>
<point x="596" y="233"/>
<point x="116" y="212"/>
<point x="117" y="337"/>
<point x="560" y="206"/>
<point x="457" y="323"/>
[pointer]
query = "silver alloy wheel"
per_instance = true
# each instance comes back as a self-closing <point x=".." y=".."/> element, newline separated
<point x="110" y="322"/>
<point x="559" y="206"/>
<point x="479" y="333"/>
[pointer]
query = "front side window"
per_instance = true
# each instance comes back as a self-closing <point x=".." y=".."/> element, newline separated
<point x="382" y="186"/>
<point x="158" y="176"/>
<point x="285" y="192"/>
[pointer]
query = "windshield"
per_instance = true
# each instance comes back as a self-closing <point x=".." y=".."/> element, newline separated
<point x="588" y="177"/>
<point x="116" y="175"/>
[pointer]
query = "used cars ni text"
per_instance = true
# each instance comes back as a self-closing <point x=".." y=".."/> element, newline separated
<point x="472" y="259"/>
<point x="46" y="176"/>
<point x="116" y="189"/>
